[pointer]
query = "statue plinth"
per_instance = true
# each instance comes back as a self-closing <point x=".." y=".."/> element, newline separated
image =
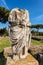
<point x="29" y="60"/>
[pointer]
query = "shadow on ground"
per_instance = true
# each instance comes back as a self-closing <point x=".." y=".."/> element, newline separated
<point x="2" y="58"/>
<point x="41" y="62"/>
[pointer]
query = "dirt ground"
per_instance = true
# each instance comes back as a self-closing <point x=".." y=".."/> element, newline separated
<point x="1" y="37"/>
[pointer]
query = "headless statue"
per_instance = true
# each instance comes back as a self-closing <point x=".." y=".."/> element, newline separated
<point x="19" y="31"/>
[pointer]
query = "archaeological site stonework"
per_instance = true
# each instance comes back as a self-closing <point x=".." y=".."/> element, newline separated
<point x="20" y="38"/>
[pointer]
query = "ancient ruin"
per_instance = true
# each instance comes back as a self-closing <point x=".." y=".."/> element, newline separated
<point x="19" y="31"/>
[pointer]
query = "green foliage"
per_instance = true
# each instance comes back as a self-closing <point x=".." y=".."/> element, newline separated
<point x="4" y="32"/>
<point x="41" y="33"/>
<point x="35" y="29"/>
<point x="4" y="13"/>
<point x="37" y="26"/>
<point x="35" y="33"/>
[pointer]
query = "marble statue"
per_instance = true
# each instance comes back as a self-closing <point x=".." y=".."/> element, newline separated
<point x="19" y="31"/>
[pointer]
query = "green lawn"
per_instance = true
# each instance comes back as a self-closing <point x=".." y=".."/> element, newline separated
<point x="35" y="42"/>
<point x="5" y="43"/>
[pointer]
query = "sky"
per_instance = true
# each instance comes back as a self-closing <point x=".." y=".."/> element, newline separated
<point x="35" y="8"/>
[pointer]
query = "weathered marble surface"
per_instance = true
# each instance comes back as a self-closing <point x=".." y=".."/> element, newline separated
<point x="19" y="31"/>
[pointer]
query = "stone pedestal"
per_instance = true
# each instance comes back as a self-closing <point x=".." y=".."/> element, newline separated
<point x="29" y="60"/>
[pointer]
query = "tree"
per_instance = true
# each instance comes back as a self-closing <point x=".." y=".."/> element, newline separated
<point x="4" y="32"/>
<point x="4" y="13"/>
<point x="37" y="27"/>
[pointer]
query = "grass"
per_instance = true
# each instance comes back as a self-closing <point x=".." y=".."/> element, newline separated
<point x="35" y="42"/>
<point x="4" y="42"/>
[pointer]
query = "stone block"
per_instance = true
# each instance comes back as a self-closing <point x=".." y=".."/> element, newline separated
<point x="16" y="58"/>
<point x="7" y="51"/>
<point x="29" y="60"/>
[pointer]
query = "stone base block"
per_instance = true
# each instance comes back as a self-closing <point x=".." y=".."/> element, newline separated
<point x="29" y="60"/>
<point x="16" y="58"/>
